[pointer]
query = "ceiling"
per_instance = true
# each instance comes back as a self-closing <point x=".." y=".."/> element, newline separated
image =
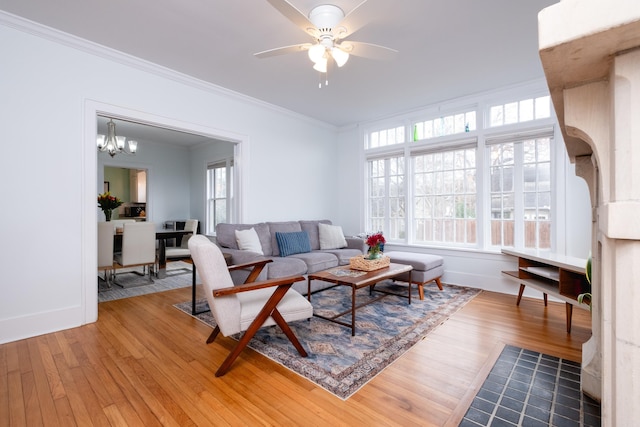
<point x="447" y="48"/>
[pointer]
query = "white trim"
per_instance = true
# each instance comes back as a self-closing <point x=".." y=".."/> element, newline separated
<point x="89" y="153"/>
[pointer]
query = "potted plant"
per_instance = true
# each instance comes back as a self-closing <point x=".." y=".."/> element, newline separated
<point x="585" y="298"/>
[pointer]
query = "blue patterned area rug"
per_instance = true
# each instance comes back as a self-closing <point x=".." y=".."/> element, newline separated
<point x="386" y="329"/>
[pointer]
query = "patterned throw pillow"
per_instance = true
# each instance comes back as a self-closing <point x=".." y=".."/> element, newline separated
<point x="293" y="243"/>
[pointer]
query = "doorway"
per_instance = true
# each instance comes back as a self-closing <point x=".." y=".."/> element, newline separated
<point x="153" y="128"/>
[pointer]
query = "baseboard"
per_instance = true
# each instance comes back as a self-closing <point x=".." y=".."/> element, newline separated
<point x="18" y="328"/>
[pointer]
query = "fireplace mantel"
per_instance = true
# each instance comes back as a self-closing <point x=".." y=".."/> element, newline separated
<point x="590" y="52"/>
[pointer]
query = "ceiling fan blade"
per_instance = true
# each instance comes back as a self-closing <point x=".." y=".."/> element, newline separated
<point x="352" y="22"/>
<point x="283" y="50"/>
<point x="368" y="50"/>
<point x="294" y="15"/>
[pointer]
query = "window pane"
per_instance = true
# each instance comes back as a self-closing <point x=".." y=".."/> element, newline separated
<point x="526" y="110"/>
<point x="496" y="116"/>
<point x="543" y="107"/>
<point x="511" y="113"/>
<point x="444" y="197"/>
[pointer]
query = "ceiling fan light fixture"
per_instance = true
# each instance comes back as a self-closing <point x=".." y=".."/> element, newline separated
<point x="340" y="56"/>
<point x="321" y="65"/>
<point x="316" y="52"/>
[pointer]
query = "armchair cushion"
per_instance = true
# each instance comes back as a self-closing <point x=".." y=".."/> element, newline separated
<point x="296" y="242"/>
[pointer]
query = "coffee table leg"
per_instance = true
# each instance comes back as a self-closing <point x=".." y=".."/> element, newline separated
<point x="353" y="311"/>
<point x="409" y="286"/>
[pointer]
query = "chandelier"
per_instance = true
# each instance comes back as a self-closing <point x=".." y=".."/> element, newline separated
<point x="113" y="144"/>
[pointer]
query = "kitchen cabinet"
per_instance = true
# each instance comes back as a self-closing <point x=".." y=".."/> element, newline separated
<point x="138" y="185"/>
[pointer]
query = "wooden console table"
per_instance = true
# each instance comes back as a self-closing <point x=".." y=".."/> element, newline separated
<point x="560" y="276"/>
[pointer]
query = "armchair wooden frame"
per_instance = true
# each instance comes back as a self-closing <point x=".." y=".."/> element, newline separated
<point x="270" y="309"/>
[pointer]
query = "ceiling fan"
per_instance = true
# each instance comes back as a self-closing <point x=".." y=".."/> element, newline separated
<point x="328" y="26"/>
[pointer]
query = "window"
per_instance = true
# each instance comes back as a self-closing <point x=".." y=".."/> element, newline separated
<point x="386" y="137"/>
<point x="520" y="177"/>
<point x="219" y="194"/>
<point x="442" y="186"/>
<point x="502" y="194"/>
<point x="520" y="111"/>
<point x="447" y="125"/>
<point x="387" y="202"/>
<point x="444" y="197"/>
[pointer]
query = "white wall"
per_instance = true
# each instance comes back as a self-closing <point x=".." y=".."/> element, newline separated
<point x="51" y="92"/>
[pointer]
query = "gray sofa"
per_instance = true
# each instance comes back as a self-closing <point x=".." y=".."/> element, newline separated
<point x="296" y="264"/>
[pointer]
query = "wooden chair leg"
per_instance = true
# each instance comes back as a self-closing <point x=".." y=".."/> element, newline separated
<point x="288" y="332"/>
<point x="257" y="323"/>
<point x="421" y="290"/>
<point x="213" y="335"/>
<point x="439" y="283"/>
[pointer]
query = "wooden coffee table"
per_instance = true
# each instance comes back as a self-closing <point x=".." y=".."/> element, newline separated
<point x="346" y="277"/>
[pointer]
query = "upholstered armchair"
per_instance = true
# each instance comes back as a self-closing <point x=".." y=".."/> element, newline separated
<point x="249" y="306"/>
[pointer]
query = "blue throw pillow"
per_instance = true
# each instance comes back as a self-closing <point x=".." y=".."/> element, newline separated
<point x="293" y="243"/>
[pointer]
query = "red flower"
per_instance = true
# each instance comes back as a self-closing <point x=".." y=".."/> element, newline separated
<point x="375" y="239"/>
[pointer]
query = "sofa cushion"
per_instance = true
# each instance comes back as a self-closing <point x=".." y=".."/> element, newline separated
<point x="311" y="227"/>
<point x="283" y="267"/>
<point x="331" y="237"/>
<point x="296" y="242"/>
<point x="344" y="255"/>
<point x="317" y="261"/>
<point x="281" y="227"/>
<point x="248" y="240"/>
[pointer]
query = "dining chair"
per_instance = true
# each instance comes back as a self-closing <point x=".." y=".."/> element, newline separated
<point x="138" y="248"/>
<point x="105" y="250"/>
<point x="182" y="251"/>
<point x="249" y="306"/>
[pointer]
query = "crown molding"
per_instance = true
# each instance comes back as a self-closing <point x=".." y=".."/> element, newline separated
<point x="56" y="36"/>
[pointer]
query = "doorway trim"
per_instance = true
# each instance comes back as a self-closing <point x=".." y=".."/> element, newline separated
<point x="89" y="161"/>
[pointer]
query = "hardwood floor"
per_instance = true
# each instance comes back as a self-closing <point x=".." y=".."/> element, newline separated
<point x="146" y="363"/>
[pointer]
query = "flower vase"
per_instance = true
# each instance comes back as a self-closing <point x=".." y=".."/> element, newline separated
<point x="374" y="253"/>
<point x="107" y="214"/>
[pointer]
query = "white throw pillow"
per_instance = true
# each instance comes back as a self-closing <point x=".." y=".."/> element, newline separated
<point x="331" y="236"/>
<point x="248" y="240"/>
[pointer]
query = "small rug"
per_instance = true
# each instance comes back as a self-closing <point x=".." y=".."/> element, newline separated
<point x="386" y="329"/>
<point x="527" y="388"/>
<point x="178" y="276"/>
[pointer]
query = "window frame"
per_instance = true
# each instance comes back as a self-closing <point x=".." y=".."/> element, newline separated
<point x="211" y="199"/>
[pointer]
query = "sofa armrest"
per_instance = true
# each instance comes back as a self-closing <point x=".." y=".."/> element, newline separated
<point x="357" y="243"/>
<point x="242" y="257"/>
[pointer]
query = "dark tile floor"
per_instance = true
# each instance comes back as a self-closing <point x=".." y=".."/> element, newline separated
<point x="526" y="388"/>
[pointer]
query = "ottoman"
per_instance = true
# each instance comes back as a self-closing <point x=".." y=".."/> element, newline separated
<point x="426" y="268"/>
